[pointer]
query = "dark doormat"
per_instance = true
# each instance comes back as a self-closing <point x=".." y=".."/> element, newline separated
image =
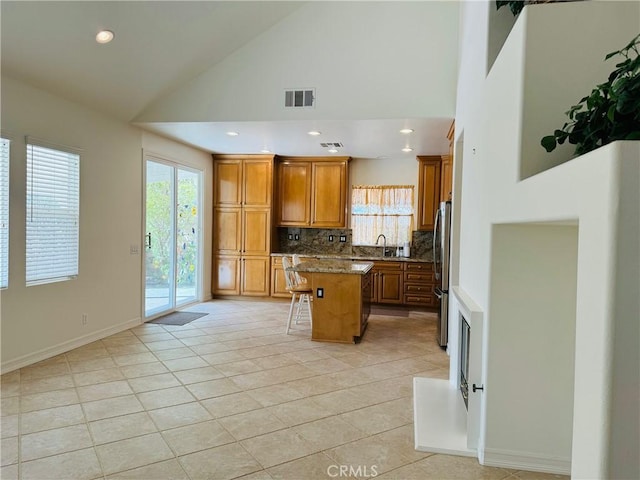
<point x="178" y="318"/>
<point x="393" y="311"/>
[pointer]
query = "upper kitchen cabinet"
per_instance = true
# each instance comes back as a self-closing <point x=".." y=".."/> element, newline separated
<point x="242" y="180"/>
<point x="294" y="193"/>
<point x="329" y="194"/>
<point x="429" y="177"/>
<point x="312" y="192"/>
<point x="446" y="170"/>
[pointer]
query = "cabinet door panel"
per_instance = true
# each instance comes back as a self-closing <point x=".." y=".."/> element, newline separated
<point x="255" y="229"/>
<point x="278" y="282"/>
<point x="226" y="275"/>
<point x="390" y="287"/>
<point x="446" y="178"/>
<point x="255" y="276"/>
<point x="294" y="189"/>
<point x="428" y="191"/>
<point x="227" y="180"/>
<point x="329" y="187"/>
<point x="257" y="183"/>
<point x="227" y="230"/>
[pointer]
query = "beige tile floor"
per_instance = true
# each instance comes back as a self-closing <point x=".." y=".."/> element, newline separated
<point x="227" y="396"/>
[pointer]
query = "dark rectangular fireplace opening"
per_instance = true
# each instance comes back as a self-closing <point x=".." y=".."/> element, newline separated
<point x="465" y="337"/>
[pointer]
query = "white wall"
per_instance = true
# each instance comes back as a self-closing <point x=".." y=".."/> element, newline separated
<point x="44" y="320"/>
<point x="532" y="341"/>
<point x="366" y="60"/>
<point x="41" y="318"/>
<point x="560" y="69"/>
<point x="490" y="114"/>
<point x="625" y="432"/>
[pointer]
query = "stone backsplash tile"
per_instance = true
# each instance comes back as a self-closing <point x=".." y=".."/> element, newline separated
<point x="316" y="241"/>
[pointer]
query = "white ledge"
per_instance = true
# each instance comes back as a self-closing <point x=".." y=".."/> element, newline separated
<point x="440" y="418"/>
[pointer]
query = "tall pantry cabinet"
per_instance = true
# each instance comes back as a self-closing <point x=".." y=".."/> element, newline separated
<point x="243" y="196"/>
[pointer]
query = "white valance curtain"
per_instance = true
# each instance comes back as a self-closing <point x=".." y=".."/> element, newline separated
<point x="381" y="209"/>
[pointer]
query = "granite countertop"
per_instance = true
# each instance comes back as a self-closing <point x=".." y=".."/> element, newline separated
<point x="333" y="265"/>
<point x="354" y="257"/>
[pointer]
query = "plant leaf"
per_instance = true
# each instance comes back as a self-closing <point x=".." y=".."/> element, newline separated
<point x="548" y="142"/>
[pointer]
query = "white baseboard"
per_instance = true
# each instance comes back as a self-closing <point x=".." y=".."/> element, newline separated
<point x="525" y="461"/>
<point x="63" y="347"/>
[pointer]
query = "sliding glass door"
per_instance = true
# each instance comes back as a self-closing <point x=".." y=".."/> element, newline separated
<point x="172" y="236"/>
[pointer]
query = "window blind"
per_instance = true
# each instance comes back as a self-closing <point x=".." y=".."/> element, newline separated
<point x="53" y="211"/>
<point x="4" y="212"/>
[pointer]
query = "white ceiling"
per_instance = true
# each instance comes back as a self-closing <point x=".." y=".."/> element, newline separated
<point x="160" y="45"/>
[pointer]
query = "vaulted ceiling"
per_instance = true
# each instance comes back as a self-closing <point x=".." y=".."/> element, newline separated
<point x="195" y="70"/>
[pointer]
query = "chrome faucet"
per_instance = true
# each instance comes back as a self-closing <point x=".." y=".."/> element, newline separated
<point x="384" y="244"/>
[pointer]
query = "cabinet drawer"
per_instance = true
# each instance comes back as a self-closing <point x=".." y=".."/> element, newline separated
<point x="384" y="265"/>
<point x="418" y="289"/>
<point x="426" y="301"/>
<point x="424" y="267"/>
<point x="418" y="277"/>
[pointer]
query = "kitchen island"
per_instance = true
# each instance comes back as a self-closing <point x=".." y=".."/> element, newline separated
<point x="341" y="298"/>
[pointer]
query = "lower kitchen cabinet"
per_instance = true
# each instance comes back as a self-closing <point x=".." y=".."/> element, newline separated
<point x="226" y="275"/>
<point x="419" y="283"/>
<point x="386" y="282"/>
<point x="235" y="275"/>
<point x="278" y="282"/>
<point x="254" y="275"/>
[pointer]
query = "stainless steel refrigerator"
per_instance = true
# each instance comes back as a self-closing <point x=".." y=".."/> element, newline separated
<point x="441" y="261"/>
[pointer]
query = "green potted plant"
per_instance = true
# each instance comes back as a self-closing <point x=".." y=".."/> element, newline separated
<point x="516" y="6"/>
<point x="611" y="112"/>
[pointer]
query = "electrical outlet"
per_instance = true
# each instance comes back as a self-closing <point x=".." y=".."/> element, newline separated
<point x="331" y="238"/>
<point x="343" y="238"/>
<point x="290" y="236"/>
<point x="296" y="237"/>
<point x="84" y="318"/>
<point x="320" y="293"/>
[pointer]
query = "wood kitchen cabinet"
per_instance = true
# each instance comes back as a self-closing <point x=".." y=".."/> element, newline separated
<point x="446" y="170"/>
<point x="419" y="283"/>
<point x="446" y="178"/>
<point x="243" y="180"/>
<point x="329" y="194"/>
<point x="242" y="224"/>
<point x="278" y="282"/>
<point x="386" y="282"/>
<point x="429" y="177"/>
<point x="312" y="192"/>
<point x="294" y="193"/>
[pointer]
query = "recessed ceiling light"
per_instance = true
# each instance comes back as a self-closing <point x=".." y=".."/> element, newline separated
<point x="407" y="149"/>
<point x="332" y="150"/>
<point x="104" y="36"/>
<point x="233" y="134"/>
<point x="406" y="131"/>
<point x="264" y="150"/>
<point x="314" y="133"/>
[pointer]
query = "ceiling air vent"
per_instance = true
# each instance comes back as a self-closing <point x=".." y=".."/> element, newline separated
<point x="300" y="98"/>
<point x="331" y="145"/>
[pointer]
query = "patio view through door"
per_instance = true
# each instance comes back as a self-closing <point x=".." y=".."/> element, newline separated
<point x="172" y="236"/>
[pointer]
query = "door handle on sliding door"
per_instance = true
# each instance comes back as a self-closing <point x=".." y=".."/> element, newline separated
<point x="147" y="241"/>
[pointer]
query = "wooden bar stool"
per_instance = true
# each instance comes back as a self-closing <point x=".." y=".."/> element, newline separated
<point x="300" y="296"/>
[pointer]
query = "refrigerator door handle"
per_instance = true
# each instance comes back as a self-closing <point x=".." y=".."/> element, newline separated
<point x="435" y="252"/>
